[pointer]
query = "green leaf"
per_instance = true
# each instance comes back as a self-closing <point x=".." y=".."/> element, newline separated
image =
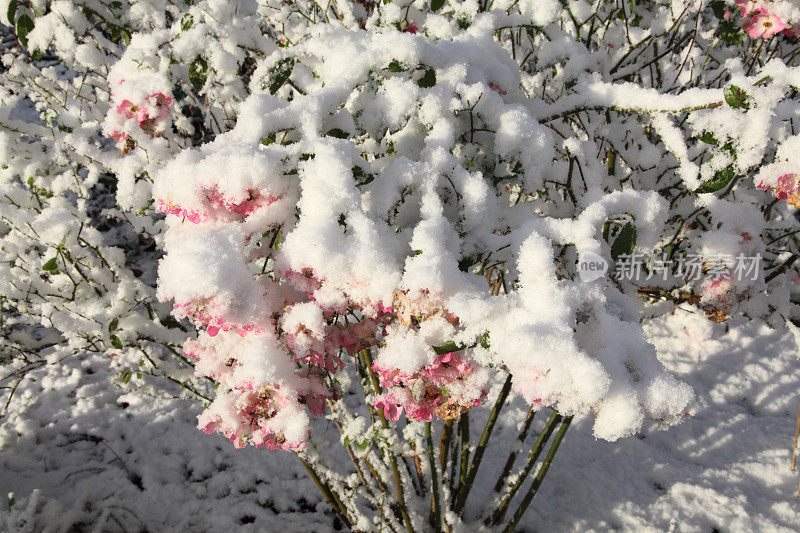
<point x="485" y="340"/>
<point x="186" y="21"/>
<point x="279" y="73"/>
<point x="721" y="179"/>
<point x="736" y="98"/>
<point x="24" y="26"/>
<point x="198" y="73"/>
<point x="125" y="376"/>
<point x="711" y="186"/>
<point x="624" y="242"/>
<point x="361" y="177"/>
<point x="112" y="326"/>
<point x="336" y="132"/>
<point x="51" y="266"/>
<point x="447" y="347"/>
<point x="178" y="93"/>
<point x="428" y="80"/>
<point x="436" y="5"/>
<point x="12" y="11"/>
<point x="116" y="343"/>
<point x="730" y="32"/>
<point x="718" y="6"/>
<point x="396" y="66"/>
<point x="708" y="138"/>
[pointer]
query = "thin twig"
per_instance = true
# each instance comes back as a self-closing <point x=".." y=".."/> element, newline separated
<point x="332" y="500"/>
<point x="533" y="456"/>
<point x="401" y="498"/>
<point x="436" y="511"/>
<point x="464" y="489"/>
<point x="512" y="456"/>
<point x="794" y="448"/>
<point x="537" y="481"/>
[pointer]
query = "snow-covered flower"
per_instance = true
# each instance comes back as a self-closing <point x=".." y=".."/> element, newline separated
<point x="786" y="187"/>
<point x="446" y="388"/>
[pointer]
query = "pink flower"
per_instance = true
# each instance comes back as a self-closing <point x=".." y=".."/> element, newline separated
<point x="247" y="417"/>
<point x="389" y="376"/>
<point x="119" y="136"/>
<point x="150" y="114"/>
<point x="303" y="280"/>
<point x="392" y="408"/>
<point x="447" y="368"/>
<point x="443" y="388"/>
<point x="424" y="408"/>
<point x="234" y="208"/>
<point x="720" y="288"/>
<point x="127" y="108"/>
<point x="763" y="25"/>
<point x="158" y="106"/>
<point x="209" y="311"/>
<point x="787" y="187"/>
<point x="722" y="295"/>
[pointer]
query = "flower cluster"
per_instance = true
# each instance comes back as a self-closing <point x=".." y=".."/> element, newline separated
<point x="150" y="113"/>
<point x="217" y="206"/>
<point x="277" y="342"/>
<point x="447" y="388"/>
<point x="263" y="417"/>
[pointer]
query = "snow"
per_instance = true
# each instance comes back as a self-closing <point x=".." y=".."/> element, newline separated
<point x="291" y="249"/>
<point x="79" y="452"/>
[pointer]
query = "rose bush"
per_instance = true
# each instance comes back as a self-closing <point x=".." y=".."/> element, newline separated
<point x="377" y="213"/>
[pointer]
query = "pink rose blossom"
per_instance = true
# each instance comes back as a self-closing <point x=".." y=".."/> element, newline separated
<point x="763" y="25"/>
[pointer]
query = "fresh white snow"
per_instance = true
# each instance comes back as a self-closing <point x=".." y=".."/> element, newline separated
<point x="78" y="452"/>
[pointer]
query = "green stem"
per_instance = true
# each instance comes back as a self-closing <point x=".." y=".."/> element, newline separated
<point x="513" y="455"/>
<point x="464" y="489"/>
<point x="401" y="497"/>
<point x="463" y="429"/>
<point x="537" y="481"/>
<point x="436" y="511"/>
<point x="533" y="456"/>
<point x="455" y="460"/>
<point x="444" y="446"/>
<point x="326" y="491"/>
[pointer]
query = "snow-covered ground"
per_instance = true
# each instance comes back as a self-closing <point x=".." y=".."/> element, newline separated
<point x="80" y="454"/>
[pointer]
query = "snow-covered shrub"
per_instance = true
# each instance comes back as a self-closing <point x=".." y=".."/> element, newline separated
<point x="402" y="199"/>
